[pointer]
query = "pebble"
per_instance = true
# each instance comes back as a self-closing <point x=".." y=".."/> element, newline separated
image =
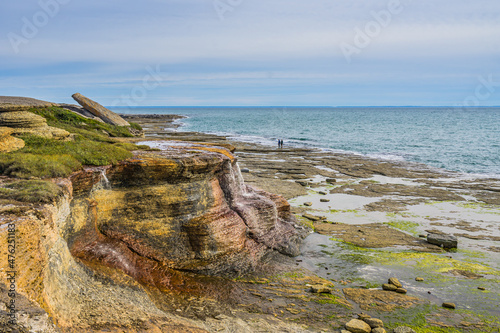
<point x="322" y="193"/>
<point x="449" y="305"/>
<point x="419" y="279"/>
<point x="308" y="204"/>
<point x="481" y="288"/>
<point x="395" y="282"/>
<point x="324" y="200"/>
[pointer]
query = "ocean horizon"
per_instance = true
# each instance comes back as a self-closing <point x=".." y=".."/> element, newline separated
<point x="457" y="139"/>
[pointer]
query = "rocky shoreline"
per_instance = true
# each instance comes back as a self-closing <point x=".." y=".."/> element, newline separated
<point x="191" y="232"/>
<point x="368" y="204"/>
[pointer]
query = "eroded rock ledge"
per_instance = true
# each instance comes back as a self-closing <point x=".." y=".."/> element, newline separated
<point x="148" y="222"/>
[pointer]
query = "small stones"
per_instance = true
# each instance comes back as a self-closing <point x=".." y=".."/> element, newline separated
<point x="245" y="170"/>
<point x="395" y="282"/>
<point x="358" y="326"/>
<point x="389" y="287"/>
<point x="419" y="279"/>
<point x="401" y="291"/>
<point x="374" y="322"/>
<point x="449" y="305"/>
<point x="331" y="180"/>
<point x="308" y="204"/>
<point x="322" y="193"/>
<point x="324" y="200"/>
<point x="481" y="288"/>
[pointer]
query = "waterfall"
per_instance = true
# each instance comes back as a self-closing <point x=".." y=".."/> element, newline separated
<point x="103" y="183"/>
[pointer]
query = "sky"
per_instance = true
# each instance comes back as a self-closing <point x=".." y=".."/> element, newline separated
<point x="253" y="52"/>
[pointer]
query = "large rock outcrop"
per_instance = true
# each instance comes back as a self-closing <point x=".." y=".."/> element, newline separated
<point x="15" y="115"/>
<point x="121" y="238"/>
<point x="100" y="111"/>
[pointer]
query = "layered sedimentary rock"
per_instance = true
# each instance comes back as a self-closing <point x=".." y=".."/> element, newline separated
<point x="14" y="114"/>
<point x="100" y="111"/>
<point x="9" y="143"/>
<point x="122" y="235"/>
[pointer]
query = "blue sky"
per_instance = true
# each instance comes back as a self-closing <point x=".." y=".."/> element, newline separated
<point x="253" y="52"/>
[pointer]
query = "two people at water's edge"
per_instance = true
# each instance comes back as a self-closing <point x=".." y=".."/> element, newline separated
<point x="280" y="143"/>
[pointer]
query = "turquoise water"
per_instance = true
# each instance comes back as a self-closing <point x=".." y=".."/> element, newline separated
<point x="464" y="140"/>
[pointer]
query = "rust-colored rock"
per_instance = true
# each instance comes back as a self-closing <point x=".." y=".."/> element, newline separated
<point x="100" y="111"/>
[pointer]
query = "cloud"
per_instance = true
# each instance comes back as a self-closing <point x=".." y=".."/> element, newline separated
<point x="108" y="44"/>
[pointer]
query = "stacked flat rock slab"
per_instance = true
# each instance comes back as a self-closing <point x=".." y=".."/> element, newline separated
<point x="14" y="114"/>
<point x="100" y="111"/>
<point x="9" y="143"/>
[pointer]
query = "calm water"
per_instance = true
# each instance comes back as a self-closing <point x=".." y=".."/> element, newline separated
<point x="455" y="139"/>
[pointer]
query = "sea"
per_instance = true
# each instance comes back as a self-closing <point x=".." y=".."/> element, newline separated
<point x="466" y="140"/>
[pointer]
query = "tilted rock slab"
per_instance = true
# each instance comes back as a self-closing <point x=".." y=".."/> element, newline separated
<point x="442" y="240"/>
<point x="100" y="111"/>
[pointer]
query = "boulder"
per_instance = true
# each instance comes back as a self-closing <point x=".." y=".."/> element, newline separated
<point x="321" y="289"/>
<point x="442" y="240"/>
<point x="374" y="322"/>
<point x="358" y="326"/>
<point x="45" y="131"/>
<point x="401" y="290"/>
<point x="100" y="111"/>
<point x="324" y="200"/>
<point x="389" y="287"/>
<point x="379" y="330"/>
<point x="395" y="281"/>
<point x="449" y="305"/>
<point x="311" y="217"/>
<point x="9" y="143"/>
<point x="21" y="119"/>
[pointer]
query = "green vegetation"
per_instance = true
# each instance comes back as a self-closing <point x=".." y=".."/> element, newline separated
<point x="74" y="123"/>
<point x="407" y="226"/>
<point x="92" y="144"/>
<point x="33" y="191"/>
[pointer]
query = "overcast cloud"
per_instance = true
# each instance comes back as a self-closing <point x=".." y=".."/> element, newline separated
<point x="252" y="52"/>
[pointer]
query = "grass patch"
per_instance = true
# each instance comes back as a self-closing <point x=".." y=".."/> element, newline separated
<point x="93" y="144"/>
<point x="47" y="158"/>
<point x="33" y="191"/>
<point x="72" y="122"/>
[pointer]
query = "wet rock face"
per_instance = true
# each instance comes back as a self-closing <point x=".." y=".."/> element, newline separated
<point x="186" y="211"/>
